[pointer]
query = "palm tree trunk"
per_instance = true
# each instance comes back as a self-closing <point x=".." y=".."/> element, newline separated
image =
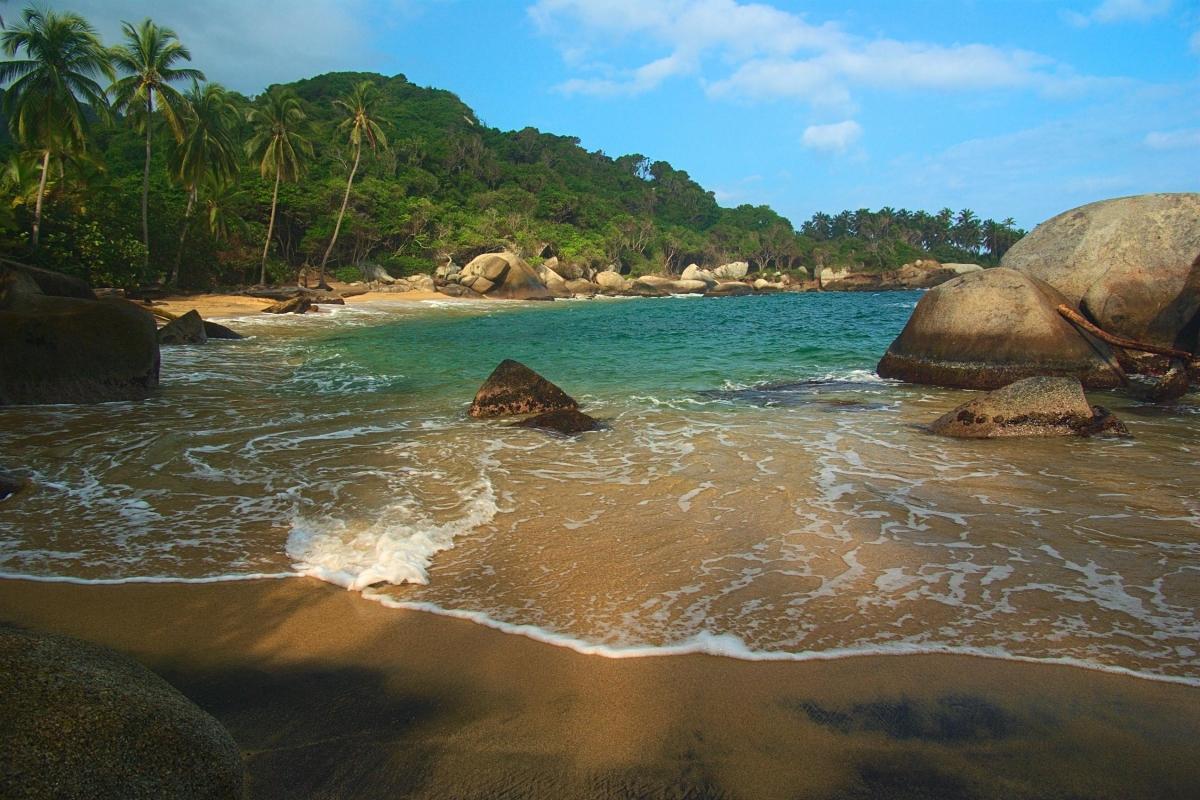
<point x="187" y="215"/>
<point x="146" y="182"/>
<point x="262" y="278"/>
<point x="338" y="226"/>
<point x="37" y="209"/>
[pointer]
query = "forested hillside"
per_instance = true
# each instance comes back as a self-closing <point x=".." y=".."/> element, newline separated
<point x="432" y="182"/>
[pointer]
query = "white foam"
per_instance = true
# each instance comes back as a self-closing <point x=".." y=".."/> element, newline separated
<point x="727" y="645"/>
<point x="397" y="547"/>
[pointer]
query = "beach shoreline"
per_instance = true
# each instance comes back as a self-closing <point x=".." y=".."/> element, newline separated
<point x="226" y="306"/>
<point x="330" y="693"/>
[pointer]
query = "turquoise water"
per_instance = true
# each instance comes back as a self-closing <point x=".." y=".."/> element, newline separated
<point x="609" y="348"/>
<point x="758" y="491"/>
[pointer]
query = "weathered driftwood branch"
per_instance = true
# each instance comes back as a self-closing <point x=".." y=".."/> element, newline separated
<point x="1077" y="319"/>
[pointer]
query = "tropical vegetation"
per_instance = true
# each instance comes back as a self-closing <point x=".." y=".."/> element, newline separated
<point x="138" y="182"/>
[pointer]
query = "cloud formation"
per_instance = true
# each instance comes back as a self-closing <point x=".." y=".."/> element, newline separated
<point x="1111" y="11"/>
<point x="835" y="138"/>
<point x="1173" y="140"/>
<point x="748" y="50"/>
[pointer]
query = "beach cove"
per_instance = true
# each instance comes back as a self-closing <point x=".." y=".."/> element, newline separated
<point x="758" y="495"/>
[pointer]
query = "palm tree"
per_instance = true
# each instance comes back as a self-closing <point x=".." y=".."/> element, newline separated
<point x="278" y="147"/>
<point x="50" y="87"/>
<point x="148" y="56"/>
<point x="359" y="121"/>
<point x="206" y="149"/>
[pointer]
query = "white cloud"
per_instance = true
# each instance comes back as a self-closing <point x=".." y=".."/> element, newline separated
<point x="1173" y="140"/>
<point x="754" y="51"/>
<point x="249" y="45"/>
<point x="834" y="138"/>
<point x="1110" y="11"/>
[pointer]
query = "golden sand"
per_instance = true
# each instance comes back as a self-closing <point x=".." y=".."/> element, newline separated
<point x="333" y="695"/>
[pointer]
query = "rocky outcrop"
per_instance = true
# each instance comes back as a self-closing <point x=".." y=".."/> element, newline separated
<point x="373" y="273"/>
<point x="80" y="721"/>
<point x="988" y="329"/>
<point x="640" y="288"/>
<point x="733" y="271"/>
<point x="567" y="422"/>
<point x="580" y="287"/>
<point x="504" y="276"/>
<point x="612" y="281"/>
<point x="694" y="273"/>
<point x="514" y="388"/>
<point x="554" y="282"/>
<point x="1038" y="406"/>
<point x="730" y="289"/>
<point x="186" y="329"/>
<point x="71" y="349"/>
<point x="1132" y="264"/>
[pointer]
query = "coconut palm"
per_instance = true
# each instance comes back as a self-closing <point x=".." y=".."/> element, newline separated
<point x="148" y="56"/>
<point x="206" y="149"/>
<point x="278" y="147"/>
<point x="359" y="123"/>
<point x="49" y="88"/>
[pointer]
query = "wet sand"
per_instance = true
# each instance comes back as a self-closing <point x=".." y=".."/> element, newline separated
<point x="332" y="695"/>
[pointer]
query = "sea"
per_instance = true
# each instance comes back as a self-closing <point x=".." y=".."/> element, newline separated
<point x="757" y="491"/>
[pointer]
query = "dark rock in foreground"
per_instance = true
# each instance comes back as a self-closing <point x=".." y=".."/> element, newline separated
<point x="71" y="349"/>
<point x="514" y="388"/>
<point x="986" y="329"/>
<point x="1040" y="406"/>
<point x="185" y="329"/>
<point x="568" y="422"/>
<point x="80" y="721"/>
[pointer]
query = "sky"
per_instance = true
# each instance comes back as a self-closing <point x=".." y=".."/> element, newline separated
<point x="1021" y="108"/>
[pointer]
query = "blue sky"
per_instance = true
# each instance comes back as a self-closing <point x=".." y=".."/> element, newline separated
<point x="1022" y="108"/>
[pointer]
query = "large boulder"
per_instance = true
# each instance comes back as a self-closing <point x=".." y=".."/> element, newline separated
<point x="71" y="349"/>
<point x="514" y="388"/>
<point x="505" y="276"/>
<point x="1132" y="264"/>
<point x="377" y="274"/>
<point x="693" y="272"/>
<point x="733" y="271"/>
<point x="612" y="281"/>
<point x="554" y="282"/>
<point x="186" y="329"/>
<point x="730" y="289"/>
<point x="215" y="330"/>
<point x="297" y="304"/>
<point x="80" y="721"/>
<point x="1038" y="406"/>
<point x="987" y="329"/>
<point x="923" y="274"/>
<point x="581" y="287"/>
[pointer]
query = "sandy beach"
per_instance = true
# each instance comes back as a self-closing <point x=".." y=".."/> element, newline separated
<point x="217" y="306"/>
<point x="332" y="695"/>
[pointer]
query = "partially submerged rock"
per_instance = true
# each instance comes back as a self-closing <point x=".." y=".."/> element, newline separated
<point x="12" y="484"/>
<point x="567" y="422"/>
<point x="1038" y="406"/>
<point x="984" y="330"/>
<point x="186" y="329"/>
<point x="1131" y="264"/>
<point x="214" y="330"/>
<point x="730" y="289"/>
<point x="1174" y="384"/>
<point x="81" y="721"/>
<point x="514" y="388"/>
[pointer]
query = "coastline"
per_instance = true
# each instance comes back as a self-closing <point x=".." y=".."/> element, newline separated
<point x="225" y="306"/>
<point x="329" y="692"/>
